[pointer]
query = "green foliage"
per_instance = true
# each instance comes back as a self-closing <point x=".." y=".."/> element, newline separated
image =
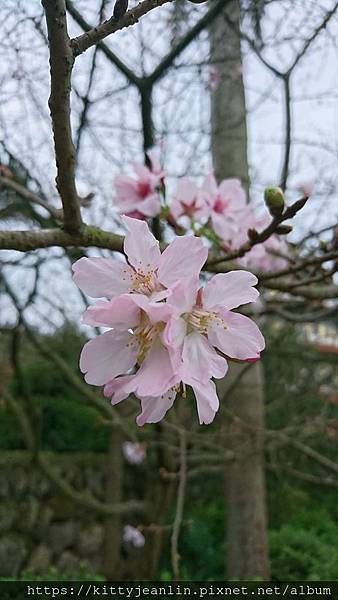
<point x="62" y="419"/>
<point x="305" y="549"/>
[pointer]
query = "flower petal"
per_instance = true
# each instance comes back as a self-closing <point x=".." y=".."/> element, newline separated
<point x="140" y="246"/>
<point x="108" y="355"/>
<point x="156" y="374"/>
<point x="116" y="389"/>
<point x="200" y="361"/>
<point x="154" y="409"/>
<point x="120" y="313"/>
<point x="156" y="311"/>
<point x="229" y="290"/>
<point x="175" y="332"/>
<point x="183" y="258"/>
<point x="240" y="338"/>
<point x="183" y="295"/>
<point x="232" y="189"/>
<point x="102" y="277"/>
<point x="150" y="206"/>
<point x="206" y="400"/>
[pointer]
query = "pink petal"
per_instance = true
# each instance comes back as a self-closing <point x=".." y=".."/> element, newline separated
<point x="232" y="189"/>
<point x="183" y="295"/>
<point x="151" y="206"/>
<point x="156" y="374"/>
<point x="154" y="409"/>
<point x="116" y="389"/>
<point x="102" y="277"/>
<point x="156" y="311"/>
<point x="120" y="313"/>
<point x="230" y="290"/>
<point x="200" y="361"/>
<point x="224" y="226"/>
<point x="210" y="187"/>
<point x="187" y="190"/>
<point x="183" y="258"/>
<point x="140" y="246"/>
<point x="206" y="400"/>
<point x="111" y="354"/>
<point x="126" y="190"/>
<point x="241" y="339"/>
<point x="175" y="332"/>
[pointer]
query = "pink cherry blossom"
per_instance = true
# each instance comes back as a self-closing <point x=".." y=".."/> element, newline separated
<point x="139" y="196"/>
<point x="148" y="271"/>
<point x="188" y="201"/>
<point x="136" y="312"/>
<point x="227" y="205"/>
<point x="202" y="320"/>
<point x="165" y="332"/>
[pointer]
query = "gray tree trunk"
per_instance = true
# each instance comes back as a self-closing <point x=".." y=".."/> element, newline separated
<point x="246" y="521"/>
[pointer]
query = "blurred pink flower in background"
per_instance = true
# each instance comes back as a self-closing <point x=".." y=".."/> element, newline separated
<point x="139" y="196"/>
<point x="134" y="453"/>
<point x="214" y="78"/>
<point x="188" y="201"/>
<point x="227" y="204"/>
<point x="264" y="257"/>
<point x="133" y="536"/>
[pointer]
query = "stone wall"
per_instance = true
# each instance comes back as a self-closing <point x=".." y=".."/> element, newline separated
<point x="40" y="528"/>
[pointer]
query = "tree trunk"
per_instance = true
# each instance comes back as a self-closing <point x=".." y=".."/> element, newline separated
<point x="113" y="495"/>
<point x="246" y="522"/>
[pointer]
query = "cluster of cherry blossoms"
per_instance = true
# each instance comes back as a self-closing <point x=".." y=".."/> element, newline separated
<point x="165" y="332"/>
<point x="218" y="212"/>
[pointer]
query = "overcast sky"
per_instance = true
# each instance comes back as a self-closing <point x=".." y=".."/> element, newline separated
<point x="181" y="113"/>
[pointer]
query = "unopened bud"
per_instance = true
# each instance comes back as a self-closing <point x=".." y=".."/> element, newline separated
<point x="274" y="200"/>
<point x="120" y="8"/>
<point x="252" y="234"/>
<point x="283" y="229"/>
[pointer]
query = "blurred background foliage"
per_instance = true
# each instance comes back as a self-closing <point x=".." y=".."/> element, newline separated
<point x="303" y="515"/>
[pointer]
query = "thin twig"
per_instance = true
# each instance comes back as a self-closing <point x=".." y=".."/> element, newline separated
<point x="175" y="557"/>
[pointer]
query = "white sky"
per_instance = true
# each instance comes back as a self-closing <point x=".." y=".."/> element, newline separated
<point x="181" y="115"/>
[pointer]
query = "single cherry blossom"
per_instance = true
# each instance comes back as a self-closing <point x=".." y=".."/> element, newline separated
<point x="189" y="201"/>
<point x="139" y="196"/>
<point x="148" y="271"/>
<point x="227" y="205"/>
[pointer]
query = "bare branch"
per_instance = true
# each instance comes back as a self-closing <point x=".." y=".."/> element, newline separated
<point x="26" y="241"/>
<point x="61" y="64"/>
<point x="258" y="238"/>
<point x="96" y="34"/>
<point x="22" y="191"/>
<point x="175" y="557"/>
<point x="102" y="46"/>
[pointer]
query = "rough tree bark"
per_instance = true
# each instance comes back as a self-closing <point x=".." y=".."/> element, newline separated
<point x="246" y="521"/>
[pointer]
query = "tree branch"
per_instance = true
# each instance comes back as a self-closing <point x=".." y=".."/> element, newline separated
<point x="22" y="191"/>
<point x="255" y="238"/>
<point x="78" y="18"/>
<point x="61" y="64"/>
<point x="26" y="241"/>
<point x="96" y="34"/>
